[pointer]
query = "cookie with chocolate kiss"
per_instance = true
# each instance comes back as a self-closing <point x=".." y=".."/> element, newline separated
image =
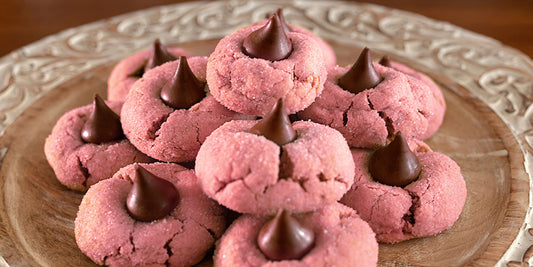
<point x="168" y="232"/>
<point x="169" y="112"/>
<point x="261" y="166"/>
<point x="368" y="103"/>
<point x="331" y="236"/>
<point x="255" y="66"/>
<point x="405" y="190"/>
<point x="83" y="141"/>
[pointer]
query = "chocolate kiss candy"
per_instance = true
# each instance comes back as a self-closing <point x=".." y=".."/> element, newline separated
<point x="184" y="89"/>
<point x="150" y="197"/>
<point x="276" y="126"/>
<point x="284" y="238"/>
<point x="159" y="56"/>
<point x="103" y="124"/>
<point x="395" y="164"/>
<point x="361" y="75"/>
<point x="384" y="61"/>
<point x="282" y="20"/>
<point x="284" y="24"/>
<point x="269" y="42"/>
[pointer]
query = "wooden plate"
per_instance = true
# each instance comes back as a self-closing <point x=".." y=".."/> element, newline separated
<point x="37" y="212"/>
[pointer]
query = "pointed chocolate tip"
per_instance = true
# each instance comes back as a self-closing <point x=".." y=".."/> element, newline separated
<point x="159" y="56"/>
<point x="276" y="126"/>
<point x="395" y="164"/>
<point x="183" y="90"/>
<point x="150" y="197"/>
<point x="385" y="61"/>
<point x="269" y="42"/>
<point x="361" y="75"/>
<point x="103" y="124"/>
<point x="284" y="238"/>
<point x="282" y="20"/>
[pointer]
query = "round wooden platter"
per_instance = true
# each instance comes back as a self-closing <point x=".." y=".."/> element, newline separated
<point x="37" y="213"/>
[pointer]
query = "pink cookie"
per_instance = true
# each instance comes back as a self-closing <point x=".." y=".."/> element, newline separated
<point x="431" y="102"/>
<point x="253" y="85"/>
<point x="131" y="69"/>
<point x="246" y="172"/>
<point x="341" y="239"/>
<point x="425" y="207"/>
<point x="78" y="164"/>
<point x="399" y="102"/>
<point x="165" y="133"/>
<point x="330" y="59"/>
<point x="106" y="232"/>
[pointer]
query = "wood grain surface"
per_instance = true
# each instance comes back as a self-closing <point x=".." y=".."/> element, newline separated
<point x="38" y="212"/>
<point x="24" y="22"/>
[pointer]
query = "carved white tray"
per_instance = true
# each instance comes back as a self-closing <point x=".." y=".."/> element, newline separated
<point x="499" y="76"/>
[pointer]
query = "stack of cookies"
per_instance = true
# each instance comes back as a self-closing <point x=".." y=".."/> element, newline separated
<point x="264" y="153"/>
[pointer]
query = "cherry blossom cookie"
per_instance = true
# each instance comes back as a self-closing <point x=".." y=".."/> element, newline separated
<point x="368" y="103"/>
<point x="331" y="236"/>
<point x="132" y="68"/>
<point x="404" y="194"/>
<point x="253" y="67"/>
<point x="261" y="166"/>
<point x="87" y="145"/>
<point x="169" y="113"/>
<point x="148" y="215"/>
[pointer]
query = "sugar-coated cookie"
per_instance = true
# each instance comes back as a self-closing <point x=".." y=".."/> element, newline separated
<point x="79" y="164"/>
<point x="341" y="238"/>
<point x="107" y="233"/>
<point x="432" y="101"/>
<point x="249" y="173"/>
<point x="162" y="131"/>
<point x="248" y="76"/>
<point x="424" y="207"/>
<point x="368" y="116"/>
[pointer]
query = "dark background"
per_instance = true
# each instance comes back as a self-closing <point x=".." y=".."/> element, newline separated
<point x="25" y="21"/>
